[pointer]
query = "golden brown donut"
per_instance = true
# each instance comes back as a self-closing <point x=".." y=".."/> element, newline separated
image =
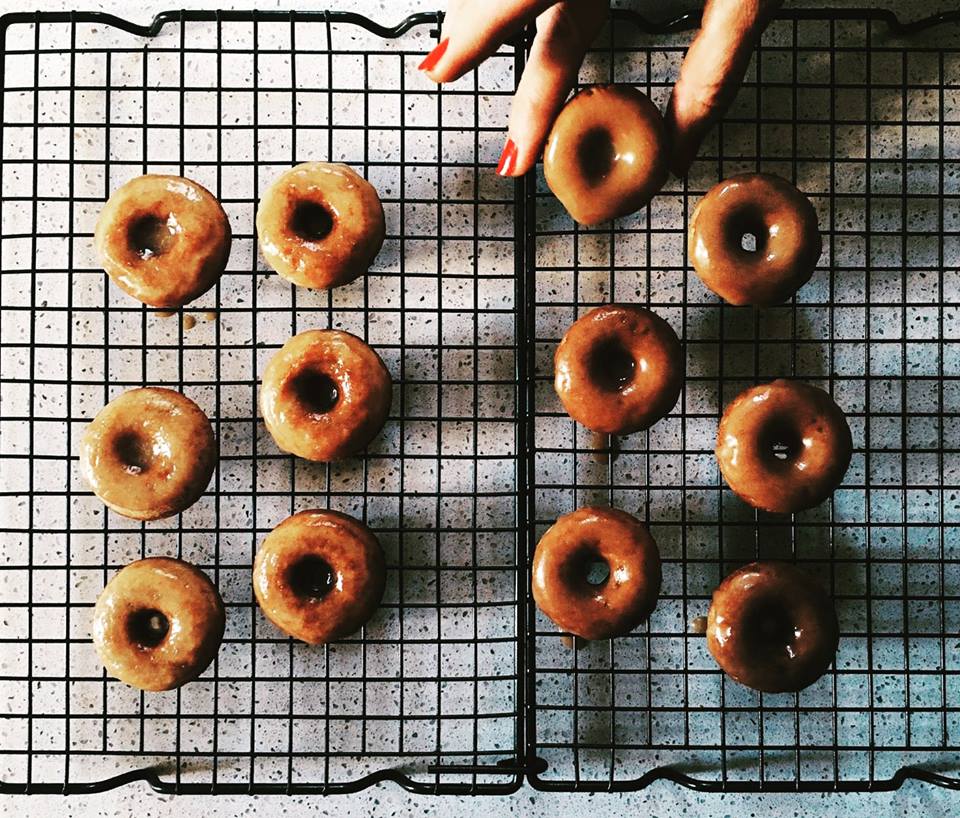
<point x="772" y="627"/>
<point x="319" y="575"/>
<point x="320" y="225"/>
<point x="562" y="562"/>
<point x="606" y="155"/>
<point x="149" y="453"/>
<point x="164" y="240"/>
<point x="783" y="446"/>
<point x="618" y="369"/>
<point x="158" y="623"/>
<point x="325" y="395"/>
<point x="786" y="239"/>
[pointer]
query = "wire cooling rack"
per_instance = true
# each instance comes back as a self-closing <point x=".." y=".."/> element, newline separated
<point x="432" y="682"/>
<point x="868" y="127"/>
<point x="458" y="684"/>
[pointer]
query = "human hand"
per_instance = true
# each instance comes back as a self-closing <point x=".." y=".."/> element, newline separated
<point x="709" y="76"/>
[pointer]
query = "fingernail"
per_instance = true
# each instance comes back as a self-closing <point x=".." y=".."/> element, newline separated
<point x="507" y="159"/>
<point x="431" y="60"/>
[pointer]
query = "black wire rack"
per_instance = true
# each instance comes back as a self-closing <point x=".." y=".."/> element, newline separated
<point x="458" y="685"/>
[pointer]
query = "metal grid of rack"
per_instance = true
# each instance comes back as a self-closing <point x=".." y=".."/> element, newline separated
<point x="458" y="684"/>
<point x="867" y="126"/>
<point x="230" y="100"/>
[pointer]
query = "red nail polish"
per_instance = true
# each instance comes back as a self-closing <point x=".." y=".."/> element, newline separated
<point x="507" y="159"/>
<point x="431" y="60"/>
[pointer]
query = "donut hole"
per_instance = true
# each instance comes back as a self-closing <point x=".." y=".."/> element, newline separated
<point x="133" y="451"/>
<point x="311" y="577"/>
<point x="151" y="236"/>
<point x="148" y="627"/>
<point x="587" y="570"/>
<point x="767" y="627"/>
<point x="597" y="571"/>
<point x="748" y="232"/>
<point x="780" y="442"/>
<point x="596" y="155"/>
<point x="311" y="221"/>
<point x="611" y="365"/>
<point x="317" y="392"/>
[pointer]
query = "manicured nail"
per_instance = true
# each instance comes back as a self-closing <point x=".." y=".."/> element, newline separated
<point x="507" y="159"/>
<point x="431" y="60"/>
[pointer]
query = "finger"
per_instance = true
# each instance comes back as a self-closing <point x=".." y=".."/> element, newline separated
<point x="564" y="32"/>
<point x="475" y="29"/>
<point x="712" y="71"/>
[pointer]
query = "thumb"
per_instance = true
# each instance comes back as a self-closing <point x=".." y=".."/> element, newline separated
<point x="712" y="72"/>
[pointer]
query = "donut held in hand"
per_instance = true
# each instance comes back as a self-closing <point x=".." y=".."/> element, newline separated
<point x="606" y="153"/>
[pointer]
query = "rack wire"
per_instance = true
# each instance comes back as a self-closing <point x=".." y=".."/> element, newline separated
<point x="458" y="684"/>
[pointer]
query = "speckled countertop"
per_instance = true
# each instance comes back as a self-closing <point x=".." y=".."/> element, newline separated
<point x="661" y="799"/>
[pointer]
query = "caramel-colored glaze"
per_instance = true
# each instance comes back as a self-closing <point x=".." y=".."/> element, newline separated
<point x="356" y="225"/>
<point x="149" y="453"/>
<point x="618" y="369"/>
<point x="784" y="225"/>
<point x="814" y="440"/>
<point x="193" y="230"/>
<point x="193" y="610"/>
<point x="606" y="153"/>
<point x="364" y="391"/>
<point x="562" y="560"/>
<point x="771" y="627"/>
<point x="357" y="576"/>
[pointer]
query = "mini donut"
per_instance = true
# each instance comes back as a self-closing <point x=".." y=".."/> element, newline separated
<point x="618" y="369"/>
<point x="164" y="240"/>
<point x="158" y="623"/>
<point x="149" y="453"/>
<point x="562" y="577"/>
<point x="772" y="627"/>
<point x="319" y="576"/>
<point x="606" y="155"/>
<point x="320" y="225"/>
<point x="786" y="237"/>
<point x="325" y="395"/>
<point x="783" y="446"/>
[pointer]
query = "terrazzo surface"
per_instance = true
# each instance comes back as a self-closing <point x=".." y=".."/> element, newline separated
<point x="661" y="799"/>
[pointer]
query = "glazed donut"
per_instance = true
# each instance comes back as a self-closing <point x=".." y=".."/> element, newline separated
<point x="606" y="155"/>
<point x="563" y="585"/>
<point x="783" y="446"/>
<point x="325" y="395"/>
<point x="781" y="221"/>
<point x="319" y="576"/>
<point x="618" y="369"/>
<point x="165" y="240"/>
<point x="320" y="225"/>
<point x="158" y="623"/>
<point x="772" y="627"/>
<point x="149" y="453"/>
